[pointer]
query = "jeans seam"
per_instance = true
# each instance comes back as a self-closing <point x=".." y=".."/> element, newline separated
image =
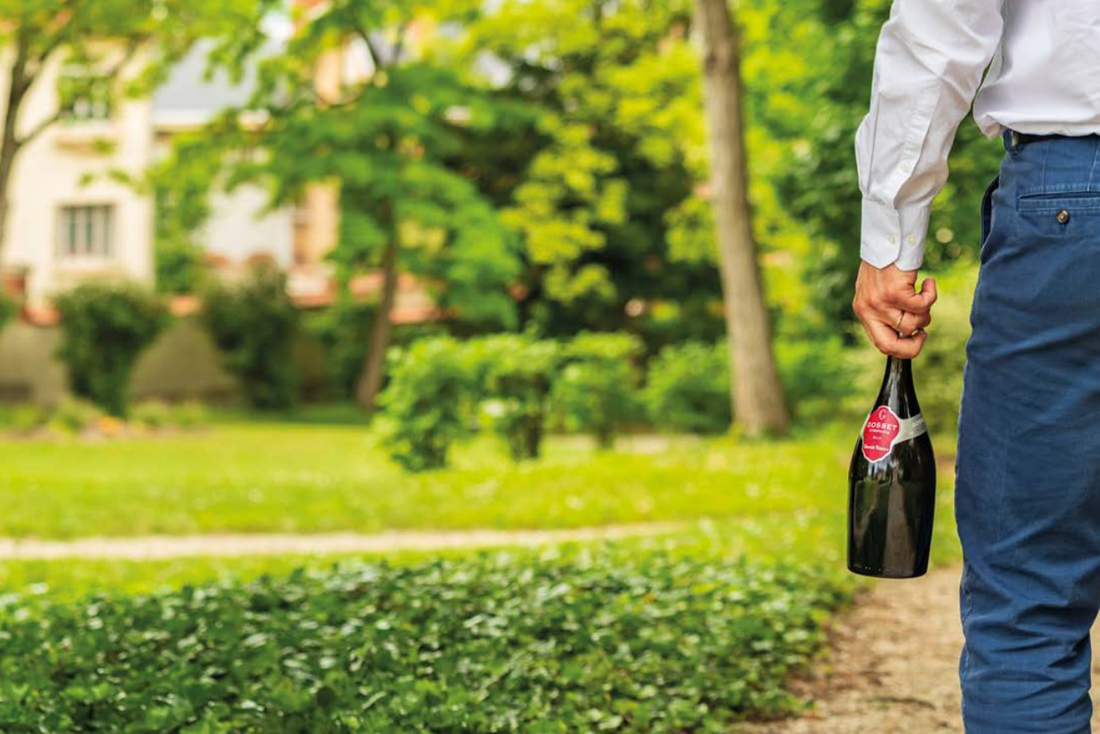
<point x="968" y="606"/>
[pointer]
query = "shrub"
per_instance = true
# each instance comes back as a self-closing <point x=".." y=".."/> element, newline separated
<point x="688" y="388"/>
<point x="8" y="309"/>
<point x="73" y="415"/>
<point x="594" y="641"/>
<point x="21" y="418"/>
<point x="190" y="414"/>
<point x="343" y="330"/>
<point x="253" y="324"/>
<point x="817" y="376"/>
<point x="427" y="401"/>
<point x="104" y="328"/>
<point x="596" y="387"/>
<point x="179" y="267"/>
<point x="152" y="414"/>
<point x="159" y="414"/>
<point x="517" y="374"/>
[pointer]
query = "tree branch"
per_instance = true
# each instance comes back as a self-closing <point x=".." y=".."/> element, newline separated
<point x="399" y="46"/>
<point x="39" y="129"/>
<point x="60" y="36"/>
<point x="375" y="58"/>
<point x="115" y="71"/>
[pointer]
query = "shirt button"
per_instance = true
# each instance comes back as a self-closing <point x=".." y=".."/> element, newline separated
<point x="910" y="239"/>
<point x="892" y="237"/>
<point x="1062" y="216"/>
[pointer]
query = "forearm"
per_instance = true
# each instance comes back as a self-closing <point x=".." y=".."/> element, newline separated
<point x="928" y="65"/>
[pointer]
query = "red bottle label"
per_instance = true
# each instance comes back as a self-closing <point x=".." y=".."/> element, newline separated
<point x="880" y="432"/>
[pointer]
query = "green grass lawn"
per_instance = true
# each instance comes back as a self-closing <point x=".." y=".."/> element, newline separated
<point x="243" y="477"/>
<point x="767" y="500"/>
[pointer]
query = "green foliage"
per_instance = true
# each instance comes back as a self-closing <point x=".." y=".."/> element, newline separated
<point x="394" y="144"/>
<point x="606" y="641"/>
<point x="607" y="197"/>
<point x="803" y="111"/>
<point x="152" y="414"/>
<point x="159" y="414"/>
<point x="427" y="401"/>
<point x="688" y="388"/>
<point x="817" y="375"/>
<point x="179" y="268"/>
<point x="21" y="418"/>
<point x="343" y="329"/>
<point x="253" y="325"/>
<point x="517" y="374"/>
<point x="73" y="415"/>
<point x="938" y="370"/>
<point x="104" y="329"/>
<point x="596" y="386"/>
<point x="180" y="184"/>
<point x="8" y="309"/>
<point x="189" y="414"/>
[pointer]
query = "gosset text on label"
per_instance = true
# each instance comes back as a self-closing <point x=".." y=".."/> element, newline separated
<point x="883" y="430"/>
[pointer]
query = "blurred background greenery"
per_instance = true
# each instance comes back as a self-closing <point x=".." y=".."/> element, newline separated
<point x="302" y="268"/>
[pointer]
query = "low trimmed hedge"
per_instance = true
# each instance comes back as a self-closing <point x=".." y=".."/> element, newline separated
<point x="592" y="641"/>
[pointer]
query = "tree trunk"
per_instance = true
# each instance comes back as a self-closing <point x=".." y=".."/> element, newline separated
<point x="18" y="84"/>
<point x="757" y="395"/>
<point x="379" y="340"/>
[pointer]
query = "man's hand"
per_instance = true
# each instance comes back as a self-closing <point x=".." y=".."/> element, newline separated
<point x="892" y="312"/>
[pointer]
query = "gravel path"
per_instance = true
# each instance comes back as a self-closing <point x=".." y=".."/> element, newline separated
<point x="893" y="667"/>
<point x="152" y="547"/>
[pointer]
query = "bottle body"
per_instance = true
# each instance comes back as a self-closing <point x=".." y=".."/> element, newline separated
<point x="892" y="483"/>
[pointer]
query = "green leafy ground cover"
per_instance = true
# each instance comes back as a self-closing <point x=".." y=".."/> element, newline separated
<point x="605" y="640"/>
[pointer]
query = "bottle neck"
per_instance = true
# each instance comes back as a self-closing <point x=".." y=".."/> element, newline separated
<point x="897" y="387"/>
<point x="899" y="374"/>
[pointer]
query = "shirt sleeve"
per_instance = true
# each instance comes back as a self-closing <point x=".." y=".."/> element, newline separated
<point x="928" y="65"/>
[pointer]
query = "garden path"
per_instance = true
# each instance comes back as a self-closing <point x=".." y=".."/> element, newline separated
<point x="153" y="547"/>
<point x="893" y="665"/>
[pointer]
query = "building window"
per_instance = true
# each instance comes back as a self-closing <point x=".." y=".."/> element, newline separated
<point x="86" y="231"/>
<point x="84" y="96"/>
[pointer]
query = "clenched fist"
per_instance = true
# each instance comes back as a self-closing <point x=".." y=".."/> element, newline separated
<point x="892" y="311"/>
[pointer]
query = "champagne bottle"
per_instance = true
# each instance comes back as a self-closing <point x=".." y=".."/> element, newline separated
<point x="892" y="483"/>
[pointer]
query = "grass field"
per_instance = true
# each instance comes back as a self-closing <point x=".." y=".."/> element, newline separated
<point x="773" y="501"/>
<point x="243" y="477"/>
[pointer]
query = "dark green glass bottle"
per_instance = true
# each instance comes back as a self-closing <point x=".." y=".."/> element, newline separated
<point x="892" y="483"/>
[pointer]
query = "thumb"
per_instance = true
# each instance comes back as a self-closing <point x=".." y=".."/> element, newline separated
<point x="928" y="291"/>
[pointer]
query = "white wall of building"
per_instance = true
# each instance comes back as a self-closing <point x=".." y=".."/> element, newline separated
<point x="51" y="173"/>
<point x="238" y="228"/>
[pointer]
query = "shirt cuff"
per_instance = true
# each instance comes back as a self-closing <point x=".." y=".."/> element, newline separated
<point x="891" y="236"/>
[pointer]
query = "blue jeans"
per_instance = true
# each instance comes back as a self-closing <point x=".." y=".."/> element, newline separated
<point x="1027" y="477"/>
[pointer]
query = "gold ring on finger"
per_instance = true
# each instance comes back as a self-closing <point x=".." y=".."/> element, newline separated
<point x="897" y="324"/>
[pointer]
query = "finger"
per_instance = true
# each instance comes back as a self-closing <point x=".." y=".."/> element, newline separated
<point x="905" y="298"/>
<point x="909" y="300"/>
<point x="890" y="342"/>
<point x="882" y="336"/>
<point x="910" y="322"/>
<point x="928" y="287"/>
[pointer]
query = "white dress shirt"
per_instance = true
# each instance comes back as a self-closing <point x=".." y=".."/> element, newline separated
<point x="1044" y="77"/>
